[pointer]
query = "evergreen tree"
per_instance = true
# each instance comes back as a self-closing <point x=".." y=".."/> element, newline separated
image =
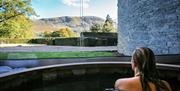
<point x="108" y="25"/>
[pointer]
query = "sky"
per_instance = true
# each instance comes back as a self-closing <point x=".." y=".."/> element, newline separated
<point x="57" y="8"/>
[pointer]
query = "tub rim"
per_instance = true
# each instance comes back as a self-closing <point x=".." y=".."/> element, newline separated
<point x="122" y="64"/>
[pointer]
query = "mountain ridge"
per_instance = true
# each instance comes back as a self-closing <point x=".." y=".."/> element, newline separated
<point x="78" y="24"/>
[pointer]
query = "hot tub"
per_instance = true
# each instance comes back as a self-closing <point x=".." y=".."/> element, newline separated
<point x="79" y="76"/>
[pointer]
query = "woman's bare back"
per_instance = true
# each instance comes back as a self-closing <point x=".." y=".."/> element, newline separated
<point x="134" y="84"/>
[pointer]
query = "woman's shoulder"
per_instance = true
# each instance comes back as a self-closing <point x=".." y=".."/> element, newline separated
<point x="126" y="83"/>
<point x="121" y="84"/>
<point x="123" y="80"/>
<point x="126" y="80"/>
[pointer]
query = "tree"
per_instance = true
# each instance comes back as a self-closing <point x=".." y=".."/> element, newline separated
<point x="62" y="32"/>
<point x="66" y="32"/>
<point x="18" y="27"/>
<point x="95" y="27"/>
<point x="11" y="8"/>
<point x="108" y="25"/>
<point x="14" y="18"/>
<point x="47" y="34"/>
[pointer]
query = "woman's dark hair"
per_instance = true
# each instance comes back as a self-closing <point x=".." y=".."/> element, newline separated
<point x="145" y="60"/>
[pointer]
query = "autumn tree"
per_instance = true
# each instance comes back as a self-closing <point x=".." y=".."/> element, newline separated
<point x="11" y="8"/>
<point x="18" y="27"/>
<point x="47" y="34"/>
<point x="14" y="19"/>
<point x="62" y="32"/>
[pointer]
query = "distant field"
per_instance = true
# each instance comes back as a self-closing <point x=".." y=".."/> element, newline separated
<point x="36" y="55"/>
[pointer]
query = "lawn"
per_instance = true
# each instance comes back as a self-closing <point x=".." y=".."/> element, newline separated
<point x="38" y="55"/>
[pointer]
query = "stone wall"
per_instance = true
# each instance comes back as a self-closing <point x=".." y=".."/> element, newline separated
<point x="149" y="23"/>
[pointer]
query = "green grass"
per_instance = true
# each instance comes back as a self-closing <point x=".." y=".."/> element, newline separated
<point x="34" y="55"/>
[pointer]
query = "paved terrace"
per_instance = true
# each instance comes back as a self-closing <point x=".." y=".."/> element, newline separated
<point x="56" y="48"/>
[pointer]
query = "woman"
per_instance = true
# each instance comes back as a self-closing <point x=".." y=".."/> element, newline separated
<point x="145" y="74"/>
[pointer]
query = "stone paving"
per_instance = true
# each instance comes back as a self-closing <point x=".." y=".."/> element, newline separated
<point x="56" y="48"/>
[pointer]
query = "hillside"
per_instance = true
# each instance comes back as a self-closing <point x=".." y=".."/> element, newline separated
<point x="76" y="23"/>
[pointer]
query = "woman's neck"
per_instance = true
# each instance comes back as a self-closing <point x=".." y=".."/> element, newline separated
<point x="136" y="72"/>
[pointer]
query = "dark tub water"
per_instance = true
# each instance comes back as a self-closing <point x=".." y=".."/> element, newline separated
<point x="98" y="82"/>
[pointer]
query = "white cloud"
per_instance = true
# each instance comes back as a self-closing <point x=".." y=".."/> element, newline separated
<point x="77" y="3"/>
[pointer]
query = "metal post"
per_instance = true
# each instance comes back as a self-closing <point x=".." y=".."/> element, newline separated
<point x="82" y="18"/>
<point x="80" y="24"/>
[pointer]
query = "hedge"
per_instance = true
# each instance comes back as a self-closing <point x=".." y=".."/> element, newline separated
<point x="66" y="41"/>
<point x="14" y="41"/>
<point x="89" y="39"/>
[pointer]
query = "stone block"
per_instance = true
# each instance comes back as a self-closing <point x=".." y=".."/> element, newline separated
<point x="154" y="21"/>
<point x="49" y="76"/>
<point x="174" y="50"/>
<point x="79" y="71"/>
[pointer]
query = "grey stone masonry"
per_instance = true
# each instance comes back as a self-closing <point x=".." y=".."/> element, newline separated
<point x="149" y="23"/>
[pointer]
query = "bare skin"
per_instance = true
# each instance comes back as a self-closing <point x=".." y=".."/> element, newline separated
<point x="133" y="83"/>
<point x="128" y="84"/>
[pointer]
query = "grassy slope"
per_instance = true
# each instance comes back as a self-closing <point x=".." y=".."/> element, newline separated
<point x="32" y="55"/>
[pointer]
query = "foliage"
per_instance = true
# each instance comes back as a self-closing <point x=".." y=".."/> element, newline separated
<point x="67" y="32"/>
<point x="14" y="22"/>
<point x="15" y="41"/>
<point x="11" y="8"/>
<point x="18" y="27"/>
<point x="108" y="25"/>
<point x="100" y="40"/>
<point x="74" y="41"/>
<point x="62" y="32"/>
<point x="47" y="34"/>
<point x="95" y="27"/>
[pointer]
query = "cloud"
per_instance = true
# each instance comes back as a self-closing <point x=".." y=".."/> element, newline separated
<point x="76" y="3"/>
